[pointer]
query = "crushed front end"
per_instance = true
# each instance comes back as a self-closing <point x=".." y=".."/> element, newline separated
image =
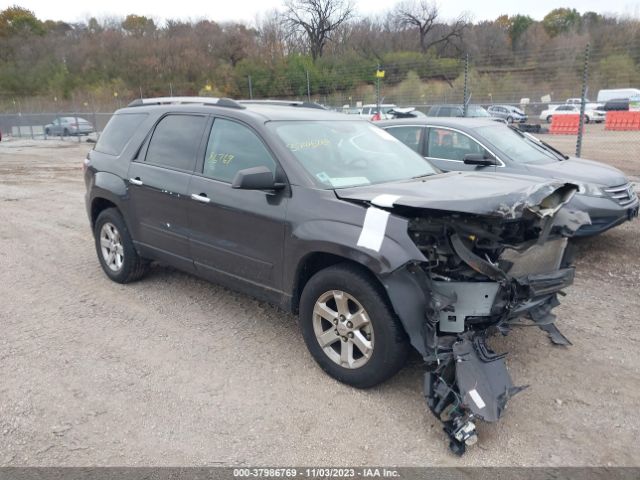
<point x="481" y="274"/>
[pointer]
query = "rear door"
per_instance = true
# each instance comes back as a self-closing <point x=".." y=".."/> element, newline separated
<point x="158" y="187"/>
<point x="237" y="235"/>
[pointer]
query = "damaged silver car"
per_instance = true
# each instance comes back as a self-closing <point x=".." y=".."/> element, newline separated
<point x="338" y="221"/>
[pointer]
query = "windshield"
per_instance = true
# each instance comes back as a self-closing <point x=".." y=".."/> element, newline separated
<point x="515" y="146"/>
<point x="350" y="153"/>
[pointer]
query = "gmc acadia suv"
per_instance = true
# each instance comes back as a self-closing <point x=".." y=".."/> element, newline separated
<point x="333" y="218"/>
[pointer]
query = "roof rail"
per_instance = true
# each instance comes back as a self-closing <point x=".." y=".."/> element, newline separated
<point x="283" y="103"/>
<point x="219" y="102"/>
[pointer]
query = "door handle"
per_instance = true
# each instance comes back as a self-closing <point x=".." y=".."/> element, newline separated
<point x="200" y="198"/>
<point x="135" y="181"/>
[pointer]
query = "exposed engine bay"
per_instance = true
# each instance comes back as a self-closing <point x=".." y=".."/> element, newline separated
<point x="480" y="275"/>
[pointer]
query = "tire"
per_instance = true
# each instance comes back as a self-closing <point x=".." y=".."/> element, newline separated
<point x="47" y="131"/>
<point x="387" y="339"/>
<point x="587" y="119"/>
<point x="65" y="133"/>
<point x="549" y="118"/>
<point x="509" y="120"/>
<point x="127" y="266"/>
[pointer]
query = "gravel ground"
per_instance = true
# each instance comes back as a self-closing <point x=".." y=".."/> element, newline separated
<point x="173" y="370"/>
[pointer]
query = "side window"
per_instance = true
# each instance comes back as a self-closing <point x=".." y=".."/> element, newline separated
<point x="118" y="132"/>
<point x="410" y="136"/>
<point x="451" y="145"/>
<point x="233" y="147"/>
<point x="175" y="141"/>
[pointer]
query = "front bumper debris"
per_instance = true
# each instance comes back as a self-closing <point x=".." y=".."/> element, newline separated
<point x="471" y="382"/>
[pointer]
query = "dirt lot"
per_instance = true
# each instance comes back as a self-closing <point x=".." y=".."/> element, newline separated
<point x="173" y="370"/>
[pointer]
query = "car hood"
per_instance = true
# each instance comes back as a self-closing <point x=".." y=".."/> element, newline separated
<point x="499" y="195"/>
<point x="579" y="170"/>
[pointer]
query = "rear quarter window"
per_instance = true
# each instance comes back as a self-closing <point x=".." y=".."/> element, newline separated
<point x="118" y="132"/>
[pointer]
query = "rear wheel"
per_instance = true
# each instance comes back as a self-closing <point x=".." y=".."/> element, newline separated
<point x="349" y="327"/>
<point x="509" y="120"/>
<point x="115" y="249"/>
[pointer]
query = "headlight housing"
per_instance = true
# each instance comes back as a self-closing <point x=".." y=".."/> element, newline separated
<point x="591" y="190"/>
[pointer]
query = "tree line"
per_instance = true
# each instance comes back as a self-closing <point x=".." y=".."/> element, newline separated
<point x="316" y="47"/>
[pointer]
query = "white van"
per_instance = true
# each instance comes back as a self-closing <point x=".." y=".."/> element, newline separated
<point x="615" y="93"/>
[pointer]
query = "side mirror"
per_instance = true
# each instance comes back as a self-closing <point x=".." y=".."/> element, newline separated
<point x="479" y="159"/>
<point x="256" y="178"/>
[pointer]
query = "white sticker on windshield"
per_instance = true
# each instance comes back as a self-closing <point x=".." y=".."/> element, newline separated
<point x="323" y="177"/>
<point x="477" y="399"/>
<point x="385" y="200"/>
<point x="373" y="229"/>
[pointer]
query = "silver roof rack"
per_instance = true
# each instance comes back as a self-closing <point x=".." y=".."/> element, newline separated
<point x="283" y="103"/>
<point x="219" y="102"/>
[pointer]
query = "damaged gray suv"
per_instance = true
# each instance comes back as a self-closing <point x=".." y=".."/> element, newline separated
<point x="336" y="220"/>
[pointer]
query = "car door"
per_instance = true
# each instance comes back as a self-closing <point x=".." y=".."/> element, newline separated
<point x="446" y="148"/>
<point x="158" y="188"/>
<point x="55" y="127"/>
<point x="411" y="135"/>
<point x="237" y="235"/>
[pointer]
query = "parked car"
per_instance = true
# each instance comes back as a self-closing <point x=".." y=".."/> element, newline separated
<point x="588" y="104"/>
<point x="473" y="111"/>
<point x="371" y="109"/>
<point x="616" y="105"/>
<point x="507" y="112"/>
<point x="595" y="116"/>
<point x="405" y="112"/>
<point x="333" y="218"/>
<point x="66" y="126"/>
<point x="484" y="146"/>
<point x="605" y="95"/>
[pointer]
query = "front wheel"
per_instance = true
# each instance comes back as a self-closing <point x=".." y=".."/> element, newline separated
<point x="509" y="120"/>
<point x="349" y="327"/>
<point x="549" y="118"/>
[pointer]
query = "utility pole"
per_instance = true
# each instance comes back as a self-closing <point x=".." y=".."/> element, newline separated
<point x="465" y="93"/>
<point x="379" y="75"/>
<point x="250" y="88"/>
<point x="583" y="99"/>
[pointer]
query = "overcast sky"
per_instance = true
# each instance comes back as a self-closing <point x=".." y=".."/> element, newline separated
<point x="246" y="10"/>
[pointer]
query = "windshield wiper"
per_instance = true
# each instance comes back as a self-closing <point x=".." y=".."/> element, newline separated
<point x="541" y="143"/>
<point x="554" y="150"/>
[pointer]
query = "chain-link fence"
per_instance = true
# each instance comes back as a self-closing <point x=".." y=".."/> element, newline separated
<point x="537" y="82"/>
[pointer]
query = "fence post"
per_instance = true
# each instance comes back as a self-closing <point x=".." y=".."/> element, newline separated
<point x="583" y="96"/>
<point x="378" y="91"/>
<point x="77" y="128"/>
<point x="250" y="88"/>
<point x="465" y="93"/>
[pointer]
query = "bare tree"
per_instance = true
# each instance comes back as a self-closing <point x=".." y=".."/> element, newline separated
<point x="317" y="20"/>
<point x="423" y="16"/>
